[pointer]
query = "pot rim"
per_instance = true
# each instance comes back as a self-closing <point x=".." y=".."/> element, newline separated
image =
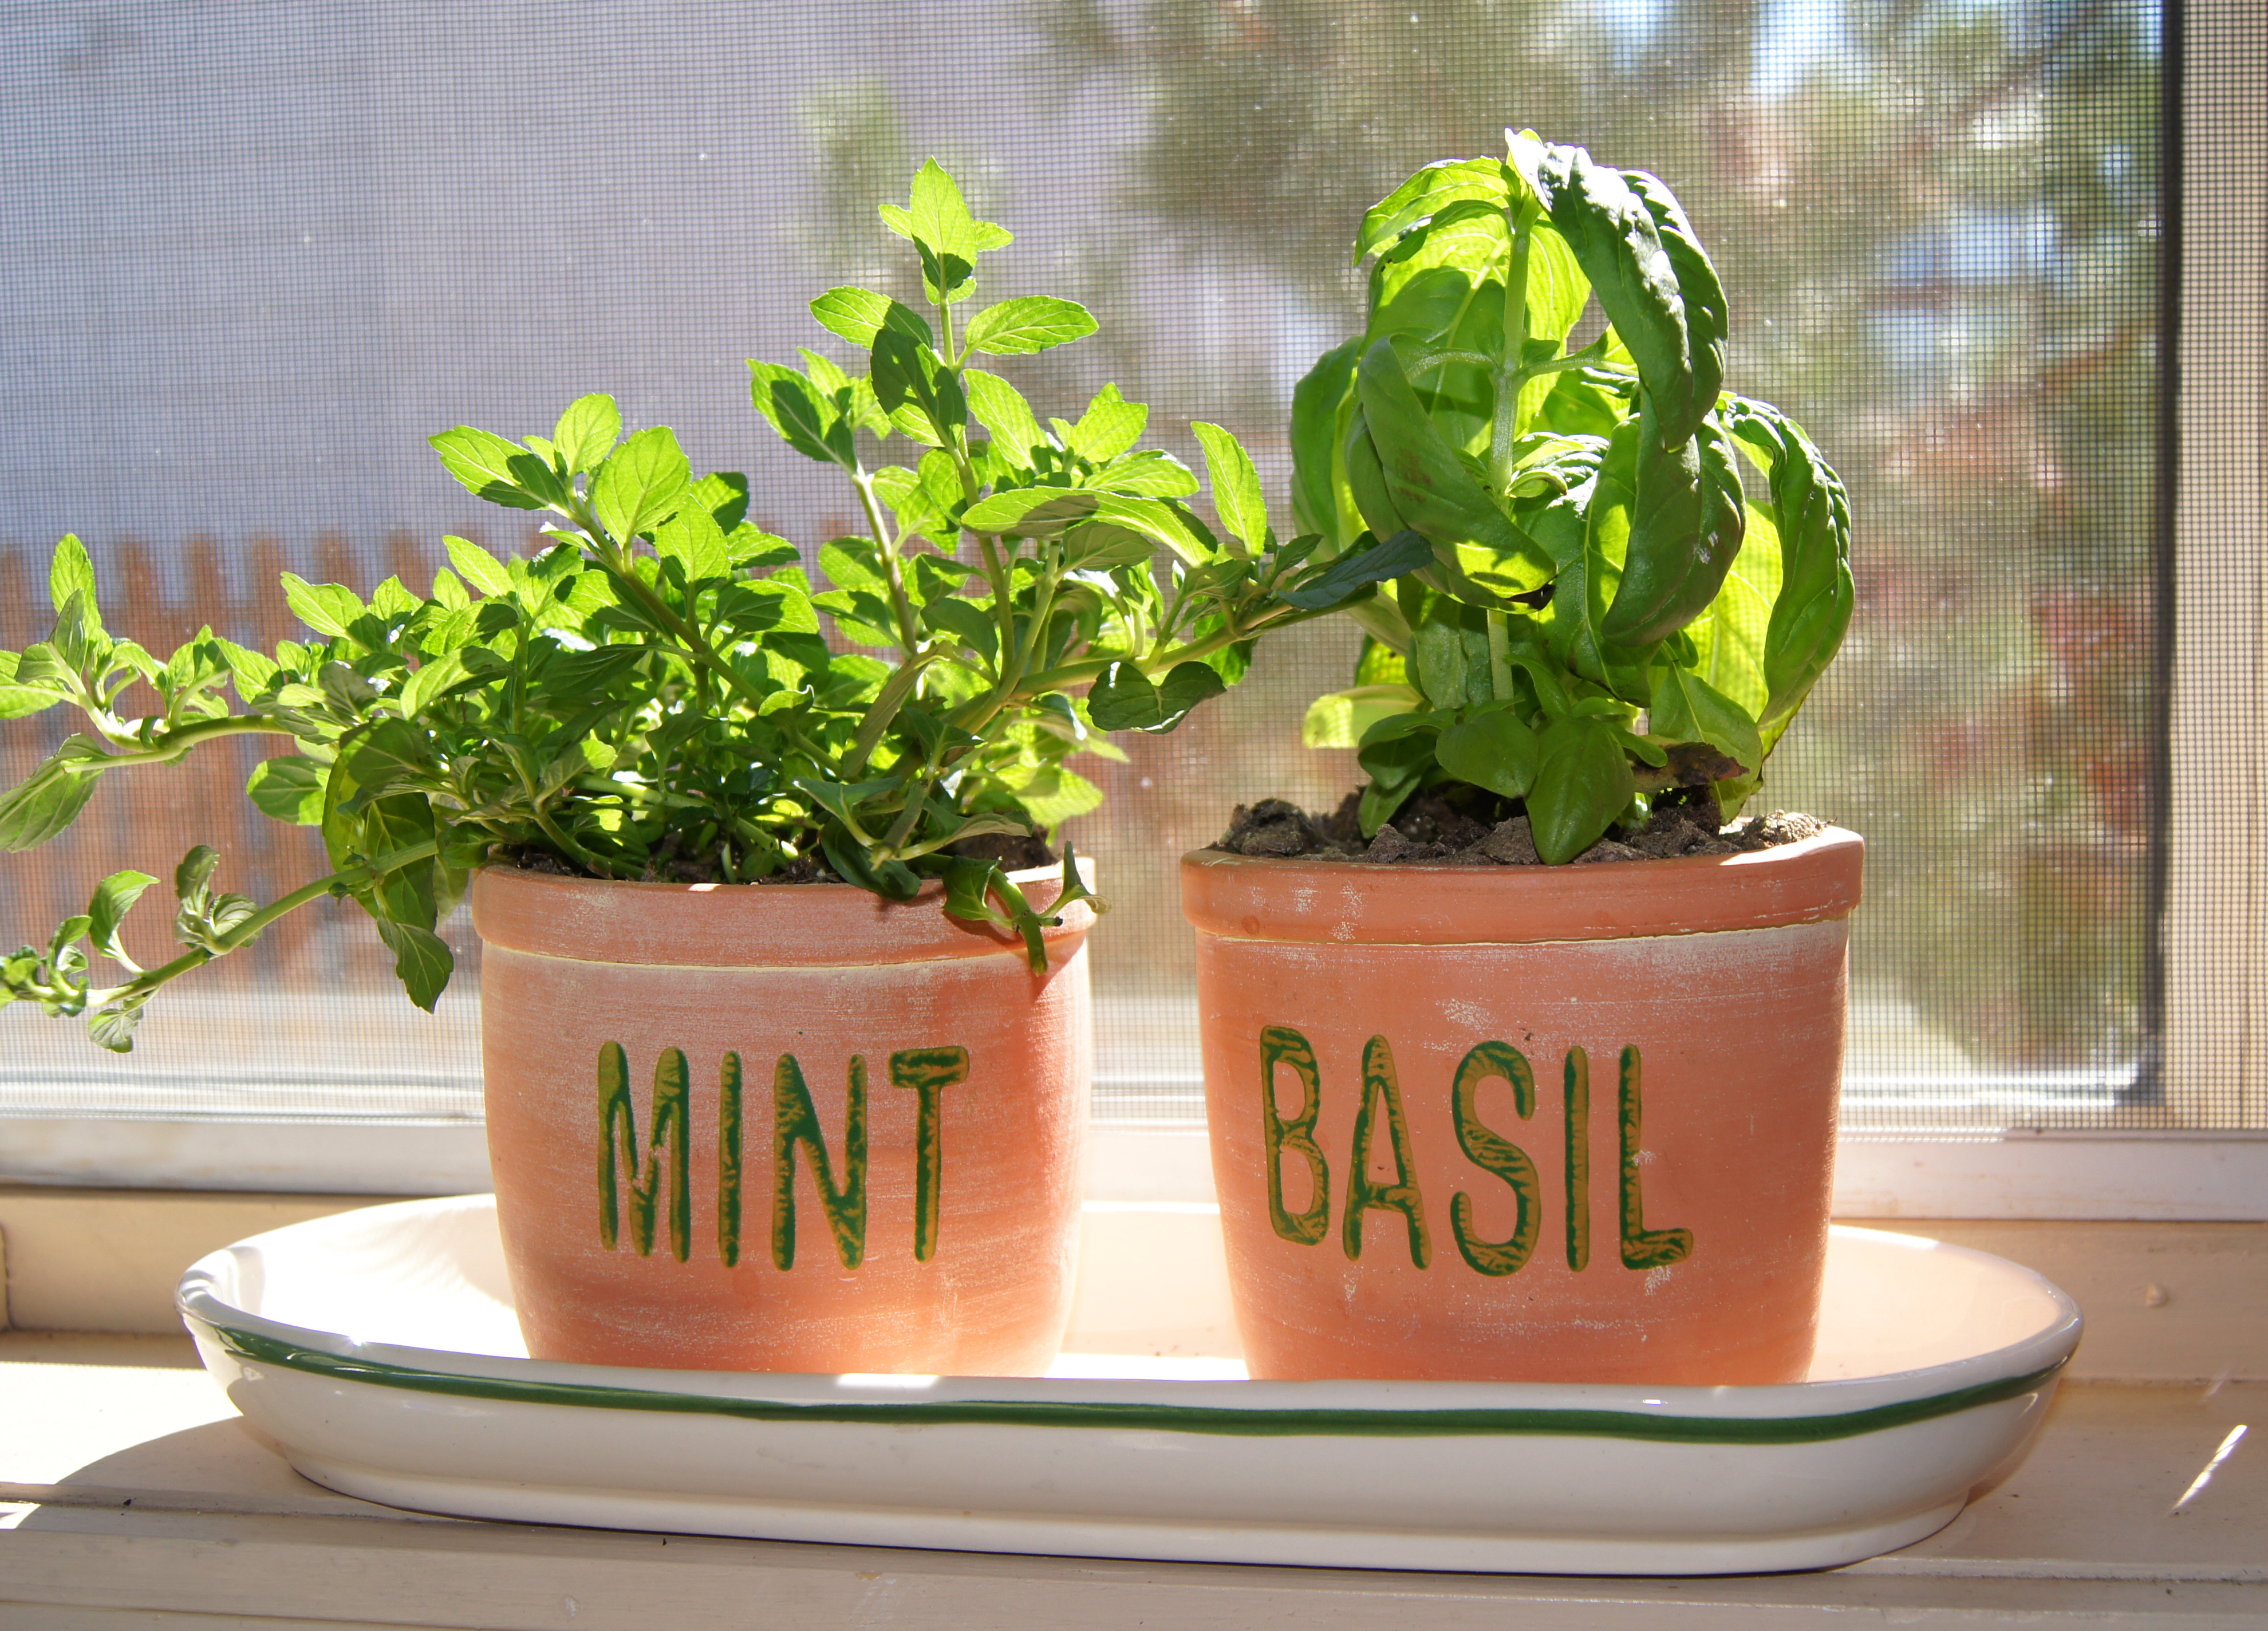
<point x="1334" y="902"/>
<point x="819" y="924"/>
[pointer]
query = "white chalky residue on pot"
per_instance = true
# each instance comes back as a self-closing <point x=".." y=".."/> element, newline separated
<point x="1350" y="921"/>
<point x="1303" y="901"/>
<point x="1657" y="1277"/>
<point x="1471" y="1015"/>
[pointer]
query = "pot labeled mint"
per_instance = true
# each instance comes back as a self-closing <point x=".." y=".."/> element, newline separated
<point x="1497" y="1116"/>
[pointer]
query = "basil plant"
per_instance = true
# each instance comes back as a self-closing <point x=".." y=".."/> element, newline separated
<point x="664" y="691"/>
<point x="1630" y="577"/>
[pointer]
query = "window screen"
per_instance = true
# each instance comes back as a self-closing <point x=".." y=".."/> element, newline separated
<point x="254" y="253"/>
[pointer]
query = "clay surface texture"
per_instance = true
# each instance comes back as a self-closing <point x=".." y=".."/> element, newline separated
<point x="1533" y="1125"/>
<point x="781" y="1129"/>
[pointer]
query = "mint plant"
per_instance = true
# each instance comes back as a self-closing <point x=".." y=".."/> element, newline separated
<point x="1608" y="613"/>
<point x="655" y="695"/>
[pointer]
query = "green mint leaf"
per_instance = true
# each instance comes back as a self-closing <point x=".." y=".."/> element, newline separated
<point x="1031" y="512"/>
<point x="487" y="466"/>
<point x="1186" y="685"/>
<point x="1149" y="475"/>
<point x="112" y="1027"/>
<point x="692" y="539"/>
<point x="1027" y="324"/>
<point x="477" y="566"/>
<point x="1051" y="795"/>
<point x="1001" y="409"/>
<point x="329" y="609"/>
<point x="421" y="961"/>
<point x="725" y="495"/>
<point x="920" y="394"/>
<point x="1122" y="699"/>
<point x="853" y="564"/>
<point x="70" y="571"/>
<point x="42" y="665"/>
<point x="66" y="934"/>
<point x="19" y="701"/>
<point x="195" y="871"/>
<point x="113" y="896"/>
<point x="47" y="801"/>
<point x="800" y="413"/>
<point x="937" y="215"/>
<point x="587" y="431"/>
<point x="641" y="483"/>
<point x="449" y="592"/>
<point x="823" y="373"/>
<point x="288" y="787"/>
<point x="1236" y="496"/>
<point x="1110" y="425"/>
<point x="967" y="622"/>
<point x="859" y="314"/>
<point x="1153" y="520"/>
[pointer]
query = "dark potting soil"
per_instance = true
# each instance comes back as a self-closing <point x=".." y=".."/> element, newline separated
<point x="1429" y="827"/>
<point x="1014" y="852"/>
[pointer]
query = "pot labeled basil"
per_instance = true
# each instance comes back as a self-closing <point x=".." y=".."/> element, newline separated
<point x="1476" y="1113"/>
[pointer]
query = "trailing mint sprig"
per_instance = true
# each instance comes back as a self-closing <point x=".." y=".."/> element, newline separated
<point x="666" y="690"/>
<point x="1600" y="609"/>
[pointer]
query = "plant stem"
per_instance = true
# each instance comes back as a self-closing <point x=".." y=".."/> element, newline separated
<point x="141" y="986"/>
<point x="881" y="711"/>
<point x="181" y="742"/>
<point x="1499" y="646"/>
<point x="1506" y="429"/>
<point x="615" y="560"/>
<point x="908" y="630"/>
<point x="1069" y="673"/>
<point x="1009" y="691"/>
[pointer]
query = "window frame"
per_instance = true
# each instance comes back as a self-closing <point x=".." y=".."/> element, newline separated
<point x="2213" y="601"/>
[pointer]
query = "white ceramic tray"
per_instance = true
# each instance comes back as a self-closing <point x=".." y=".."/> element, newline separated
<point x="378" y="1348"/>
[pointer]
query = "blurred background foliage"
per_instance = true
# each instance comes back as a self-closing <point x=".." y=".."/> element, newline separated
<point x="1939" y="227"/>
<point x="256" y="253"/>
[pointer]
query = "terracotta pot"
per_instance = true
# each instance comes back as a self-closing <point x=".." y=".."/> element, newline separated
<point x="785" y="1127"/>
<point x="1573" y="1124"/>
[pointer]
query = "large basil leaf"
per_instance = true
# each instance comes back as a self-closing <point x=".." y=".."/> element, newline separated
<point x="1612" y="228"/>
<point x="1429" y="192"/>
<point x="1492" y="749"/>
<point x="1811" y="515"/>
<point x="1316" y="401"/>
<point x="1583" y="780"/>
<point x="1687" y="708"/>
<point x="1432" y="490"/>
<point x="1685" y="526"/>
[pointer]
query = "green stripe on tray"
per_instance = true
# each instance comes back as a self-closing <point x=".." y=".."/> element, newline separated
<point x="1264" y="1423"/>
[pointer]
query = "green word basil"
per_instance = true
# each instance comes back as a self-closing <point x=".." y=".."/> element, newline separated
<point x="1381" y="1123"/>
